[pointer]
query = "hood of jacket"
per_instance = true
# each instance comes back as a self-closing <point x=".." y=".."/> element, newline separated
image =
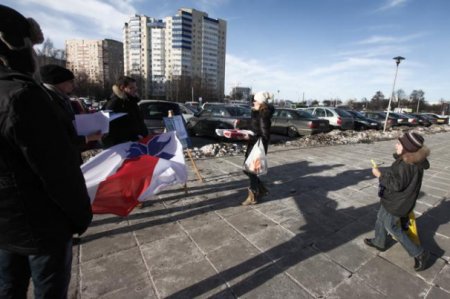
<point x="119" y="93"/>
<point x="418" y="158"/>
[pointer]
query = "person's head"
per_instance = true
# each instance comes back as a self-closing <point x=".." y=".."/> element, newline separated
<point x="17" y="37"/>
<point x="127" y="85"/>
<point x="260" y="99"/>
<point x="58" y="76"/>
<point x="410" y="142"/>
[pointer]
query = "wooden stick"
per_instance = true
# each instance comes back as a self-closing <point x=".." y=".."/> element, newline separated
<point x="194" y="165"/>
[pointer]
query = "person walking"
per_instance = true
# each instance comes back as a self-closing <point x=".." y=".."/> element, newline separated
<point x="261" y="122"/>
<point x="125" y="99"/>
<point x="43" y="196"/>
<point x="59" y="83"/>
<point x="399" y="188"/>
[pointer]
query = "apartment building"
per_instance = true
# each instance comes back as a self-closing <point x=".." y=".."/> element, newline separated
<point x="195" y="54"/>
<point x="174" y="58"/>
<point x="100" y="60"/>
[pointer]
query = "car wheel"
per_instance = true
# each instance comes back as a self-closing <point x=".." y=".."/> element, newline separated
<point x="292" y="132"/>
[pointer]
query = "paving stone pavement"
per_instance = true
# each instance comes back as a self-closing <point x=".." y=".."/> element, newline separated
<point x="305" y="240"/>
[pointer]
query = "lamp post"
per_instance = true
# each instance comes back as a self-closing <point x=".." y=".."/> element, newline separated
<point x="397" y="59"/>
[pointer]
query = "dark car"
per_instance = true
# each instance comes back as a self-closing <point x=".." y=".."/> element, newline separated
<point x="293" y="122"/>
<point x="364" y="123"/>
<point x="381" y="117"/>
<point x="154" y="111"/>
<point x="423" y="120"/>
<point x="401" y="120"/>
<point x="440" y="120"/>
<point x="219" y="116"/>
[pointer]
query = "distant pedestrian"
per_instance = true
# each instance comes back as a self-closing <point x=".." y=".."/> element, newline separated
<point x="261" y="119"/>
<point x="43" y="196"/>
<point x="399" y="188"/>
<point x="59" y="83"/>
<point x="125" y="99"/>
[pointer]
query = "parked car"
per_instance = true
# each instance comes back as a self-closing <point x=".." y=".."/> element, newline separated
<point x="187" y="112"/>
<point x="219" y="116"/>
<point x="401" y="120"/>
<point x="337" y="117"/>
<point x="423" y="120"/>
<point x="440" y="120"/>
<point x="291" y="122"/>
<point x="195" y="106"/>
<point x="154" y="111"/>
<point x="381" y="117"/>
<point x="364" y="123"/>
<point x="412" y="120"/>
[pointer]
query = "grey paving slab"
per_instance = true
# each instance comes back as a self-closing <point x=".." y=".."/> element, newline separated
<point x="304" y="240"/>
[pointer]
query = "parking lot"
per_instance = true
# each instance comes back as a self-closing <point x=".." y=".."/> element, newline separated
<point x="304" y="241"/>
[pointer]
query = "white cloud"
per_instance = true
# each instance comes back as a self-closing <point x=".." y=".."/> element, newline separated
<point x="69" y="19"/>
<point x="380" y="39"/>
<point x="390" y="4"/>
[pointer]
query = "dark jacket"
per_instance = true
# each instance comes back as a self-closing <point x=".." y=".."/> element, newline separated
<point x="260" y="123"/>
<point x="128" y="127"/>
<point x="402" y="182"/>
<point x="43" y="196"/>
<point x="67" y="117"/>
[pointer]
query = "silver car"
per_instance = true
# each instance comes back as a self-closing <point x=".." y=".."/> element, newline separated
<point x="338" y="118"/>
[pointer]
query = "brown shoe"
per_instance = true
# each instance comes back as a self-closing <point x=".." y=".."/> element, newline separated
<point x="251" y="199"/>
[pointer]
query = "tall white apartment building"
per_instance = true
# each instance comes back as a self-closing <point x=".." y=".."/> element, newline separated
<point x="100" y="60"/>
<point x="195" y="54"/>
<point x="182" y="56"/>
<point x="144" y="54"/>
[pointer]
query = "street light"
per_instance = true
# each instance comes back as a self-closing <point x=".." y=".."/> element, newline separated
<point x="397" y="59"/>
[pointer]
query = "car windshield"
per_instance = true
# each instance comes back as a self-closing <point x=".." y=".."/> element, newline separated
<point x="342" y="113"/>
<point x="239" y="111"/>
<point x="304" y="114"/>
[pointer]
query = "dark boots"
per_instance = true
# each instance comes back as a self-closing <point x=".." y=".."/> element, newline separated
<point x="262" y="190"/>
<point x="420" y="262"/>
<point x="251" y="198"/>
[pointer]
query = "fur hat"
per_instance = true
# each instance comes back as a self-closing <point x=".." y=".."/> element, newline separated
<point x="16" y="31"/>
<point x="55" y="74"/>
<point x="262" y="97"/>
<point x="411" y="141"/>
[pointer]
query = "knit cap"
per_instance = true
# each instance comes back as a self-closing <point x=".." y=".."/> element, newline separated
<point x="55" y="74"/>
<point x="411" y="141"/>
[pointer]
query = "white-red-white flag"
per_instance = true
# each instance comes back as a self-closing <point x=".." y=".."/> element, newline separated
<point x="121" y="176"/>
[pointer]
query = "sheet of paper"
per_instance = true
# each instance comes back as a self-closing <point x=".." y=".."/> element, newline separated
<point x="90" y="123"/>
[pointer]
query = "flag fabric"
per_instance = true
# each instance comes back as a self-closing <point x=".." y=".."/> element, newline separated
<point x="123" y="175"/>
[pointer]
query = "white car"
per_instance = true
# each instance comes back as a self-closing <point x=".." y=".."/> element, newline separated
<point x="338" y="118"/>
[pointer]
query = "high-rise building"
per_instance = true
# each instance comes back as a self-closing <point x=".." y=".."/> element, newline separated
<point x="195" y="55"/>
<point x="144" y="54"/>
<point x="100" y="60"/>
<point x="178" y="58"/>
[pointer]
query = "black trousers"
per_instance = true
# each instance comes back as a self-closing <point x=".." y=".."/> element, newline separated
<point x="50" y="273"/>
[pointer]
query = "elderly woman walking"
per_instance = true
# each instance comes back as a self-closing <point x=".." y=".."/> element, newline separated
<point x="262" y="113"/>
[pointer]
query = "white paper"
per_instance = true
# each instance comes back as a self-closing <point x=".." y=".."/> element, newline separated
<point x="90" y="123"/>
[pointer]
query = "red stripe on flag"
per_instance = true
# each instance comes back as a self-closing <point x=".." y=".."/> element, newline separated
<point x="118" y="194"/>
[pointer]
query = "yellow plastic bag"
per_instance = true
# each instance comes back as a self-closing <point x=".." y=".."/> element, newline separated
<point x="412" y="232"/>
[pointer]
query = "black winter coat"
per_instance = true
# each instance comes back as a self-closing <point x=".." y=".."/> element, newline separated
<point x="261" y="124"/>
<point x="128" y="127"/>
<point x="43" y="196"/>
<point x="67" y="117"/>
<point x="402" y="182"/>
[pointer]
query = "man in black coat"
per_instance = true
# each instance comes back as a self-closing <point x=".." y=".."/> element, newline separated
<point x="125" y="100"/>
<point x="59" y="83"/>
<point x="43" y="197"/>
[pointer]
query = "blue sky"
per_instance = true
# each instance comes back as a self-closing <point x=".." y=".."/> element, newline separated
<point x="320" y="48"/>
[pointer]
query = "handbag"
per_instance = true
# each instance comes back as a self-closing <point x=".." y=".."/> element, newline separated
<point x="256" y="161"/>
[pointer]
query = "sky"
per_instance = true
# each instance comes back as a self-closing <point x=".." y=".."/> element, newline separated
<point x="295" y="49"/>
